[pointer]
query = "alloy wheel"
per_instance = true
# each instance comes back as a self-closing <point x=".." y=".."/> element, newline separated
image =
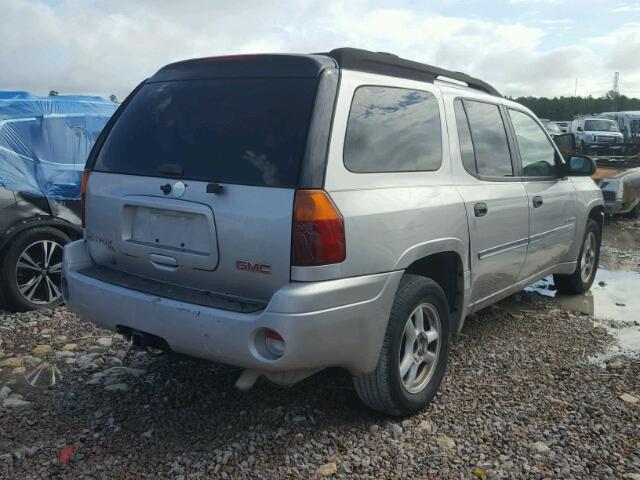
<point x="39" y="272"/>
<point x="588" y="260"/>
<point x="420" y="347"/>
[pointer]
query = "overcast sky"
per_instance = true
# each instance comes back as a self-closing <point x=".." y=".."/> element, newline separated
<point x="523" y="47"/>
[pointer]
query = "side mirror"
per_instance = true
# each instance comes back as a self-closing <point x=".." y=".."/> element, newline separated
<point x="580" y="167"/>
<point x="579" y="129"/>
<point x="565" y="143"/>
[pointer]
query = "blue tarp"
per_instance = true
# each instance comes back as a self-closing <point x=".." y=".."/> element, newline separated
<point x="45" y="141"/>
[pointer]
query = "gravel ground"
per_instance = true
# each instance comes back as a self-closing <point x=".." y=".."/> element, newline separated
<point x="521" y="400"/>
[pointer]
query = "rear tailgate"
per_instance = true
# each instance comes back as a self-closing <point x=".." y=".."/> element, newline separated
<point x="194" y="185"/>
<point x="236" y="243"/>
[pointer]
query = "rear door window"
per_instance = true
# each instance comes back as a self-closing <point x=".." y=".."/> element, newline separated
<point x="242" y="131"/>
<point x="489" y="138"/>
<point x="393" y="130"/>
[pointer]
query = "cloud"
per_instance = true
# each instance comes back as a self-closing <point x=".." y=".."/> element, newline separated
<point x="533" y="2"/>
<point x="104" y="47"/>
<point x="558" y="21"/>
<point x="626" y="8"/>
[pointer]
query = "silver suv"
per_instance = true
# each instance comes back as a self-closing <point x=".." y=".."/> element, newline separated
<point x="288" y="213"/>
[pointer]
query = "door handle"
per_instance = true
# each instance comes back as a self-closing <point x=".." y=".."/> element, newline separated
<point x="537" y="201"/>
<point x="480" y="209"/>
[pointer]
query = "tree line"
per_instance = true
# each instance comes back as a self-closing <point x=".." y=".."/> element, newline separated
<point x="565" y="108"/>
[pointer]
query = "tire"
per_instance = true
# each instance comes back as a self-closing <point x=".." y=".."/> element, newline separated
<point x="39" y="247"/>
<point x="634" y="213"/>
<point x="581" y="280"/>
<point x="385" y="389"/>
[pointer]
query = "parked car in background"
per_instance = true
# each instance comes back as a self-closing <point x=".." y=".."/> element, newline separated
<point x="619" y="180"/>
<point x="44" y="144"/>
<point x="594" y="134"/>
<point x="552" y="128"/>
<point x="629" y="125"/>
<point x="288" y="213"/>
<point x="564" y="126"/>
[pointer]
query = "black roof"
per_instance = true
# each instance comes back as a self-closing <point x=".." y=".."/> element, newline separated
<point x="392" y="65"/>
<point x="309" y="66"/>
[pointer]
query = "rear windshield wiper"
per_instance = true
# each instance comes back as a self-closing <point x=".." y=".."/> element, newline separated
<point x="170" y="169"/>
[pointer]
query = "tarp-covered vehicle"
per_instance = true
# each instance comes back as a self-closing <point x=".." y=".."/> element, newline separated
<point x="44" y="144"/>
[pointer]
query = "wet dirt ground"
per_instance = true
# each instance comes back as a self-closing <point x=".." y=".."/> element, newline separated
<point x="614" y="298"/>
<point x="539" y="386"/>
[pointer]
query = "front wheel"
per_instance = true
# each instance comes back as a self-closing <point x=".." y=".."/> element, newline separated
<point x="634" y="213"/>
<point x="581" y="280"/>
<point x="413" y="359"/>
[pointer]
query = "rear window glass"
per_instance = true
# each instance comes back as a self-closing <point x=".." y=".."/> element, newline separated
<point x="489" y="139"/>
<point x="393" y="130"/>
<point x="240" y="131"/>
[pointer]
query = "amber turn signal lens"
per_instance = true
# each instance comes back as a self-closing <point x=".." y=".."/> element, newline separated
<point x="318" y="230"/>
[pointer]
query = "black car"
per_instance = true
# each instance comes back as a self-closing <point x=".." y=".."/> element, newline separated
<point x="44" y="143"/>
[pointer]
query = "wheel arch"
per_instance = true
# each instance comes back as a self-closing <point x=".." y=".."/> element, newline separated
<point x="597" y="214"/>
<point x="446" y="268"/>
<point x="73" y="231"/>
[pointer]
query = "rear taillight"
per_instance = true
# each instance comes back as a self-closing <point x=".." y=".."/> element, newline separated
<point x="83" y="194"/>
<point x="318" y="230"/>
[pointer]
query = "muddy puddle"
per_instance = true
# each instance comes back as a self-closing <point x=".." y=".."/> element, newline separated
<point x="614" y="298"/>
<point x="614" y="295"/>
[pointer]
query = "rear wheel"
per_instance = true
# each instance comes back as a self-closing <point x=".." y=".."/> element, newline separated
<point x="32" y="269"/>
<point x="413" y="358"/>
<point x="581" y="280"/>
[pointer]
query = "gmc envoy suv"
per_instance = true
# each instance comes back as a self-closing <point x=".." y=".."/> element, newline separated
<point x="288" y="213"/>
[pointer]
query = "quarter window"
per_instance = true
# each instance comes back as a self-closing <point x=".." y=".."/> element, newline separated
<point x="489" y="137"/>
<point x="464" y="136"/>
<point x="393" y="130"/>
<point x="536" y="151"/>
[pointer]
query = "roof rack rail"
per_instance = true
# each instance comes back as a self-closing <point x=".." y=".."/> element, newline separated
<point x="389" y="64"/>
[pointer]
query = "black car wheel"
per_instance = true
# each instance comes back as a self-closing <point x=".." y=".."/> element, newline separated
<point x="413" y="359"/>
<point x="32" y="269"/>
<point x="588" y="260"/>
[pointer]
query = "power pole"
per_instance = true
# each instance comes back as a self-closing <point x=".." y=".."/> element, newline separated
<point x="575" y="89"/>
<point x="615" y="90"/>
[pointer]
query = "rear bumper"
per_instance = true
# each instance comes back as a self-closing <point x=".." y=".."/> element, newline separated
<point x="332" y="323"/>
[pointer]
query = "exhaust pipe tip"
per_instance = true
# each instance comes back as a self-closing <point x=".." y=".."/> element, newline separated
<point x="143" y="340"/>
<point x="247" y="380"/>
<point x="137" y="340"/>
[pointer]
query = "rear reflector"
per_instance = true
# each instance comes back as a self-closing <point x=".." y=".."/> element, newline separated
<point x="274" y="343"/>
<point x="318" y="230"/>
<point x="83" y="194"/>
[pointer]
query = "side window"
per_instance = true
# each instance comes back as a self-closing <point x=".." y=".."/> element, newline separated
<point x="464" y="137"/>
<point x="536" y="151"/>
<point x="489" y="139"/>
<point x="393" y="130"/>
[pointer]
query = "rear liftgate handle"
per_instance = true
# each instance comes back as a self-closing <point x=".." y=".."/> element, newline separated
<point x="163" y="262"/>
<point x="480" y="209"/>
